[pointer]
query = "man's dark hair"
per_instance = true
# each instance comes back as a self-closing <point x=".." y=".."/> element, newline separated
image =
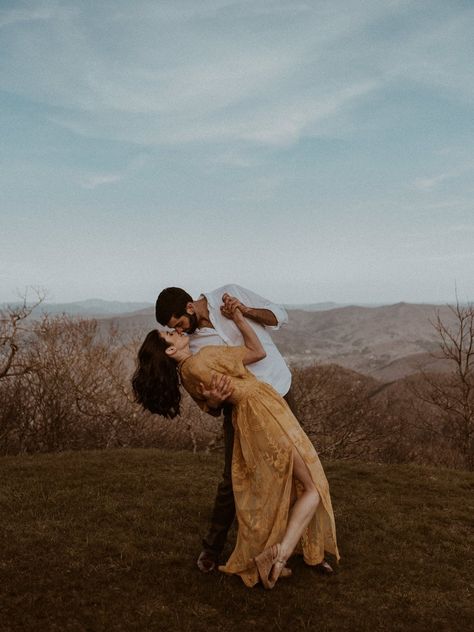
<point x="171" y="301"/>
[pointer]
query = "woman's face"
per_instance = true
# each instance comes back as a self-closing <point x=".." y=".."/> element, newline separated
<point x="174" y="338"/>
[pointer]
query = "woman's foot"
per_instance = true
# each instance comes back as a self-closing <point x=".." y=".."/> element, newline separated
<point x="270" y="566"/>
<point x="278" y="567"/>
<point x="286" y="572"/>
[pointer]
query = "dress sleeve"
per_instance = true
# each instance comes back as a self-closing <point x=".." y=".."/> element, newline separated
<point x="212" y="359"/>
<point x="229" y="361"/>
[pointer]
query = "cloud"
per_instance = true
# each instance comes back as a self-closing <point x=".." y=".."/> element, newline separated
<point x="34" y="12"/>
<point x="430" y="183"/>
<point x="462" y="228"/>
<point x="455" y="256"/>
<point x="94" y="181"/>
<point x="272" y="123"/>
<point x="233" y="158"/>
<point x="216" y="71"/>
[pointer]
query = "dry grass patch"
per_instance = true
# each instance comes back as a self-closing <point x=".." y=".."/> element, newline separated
<point x="103" y="541"/>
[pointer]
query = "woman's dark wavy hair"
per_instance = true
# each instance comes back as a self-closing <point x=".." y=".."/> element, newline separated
<point x="155" y="382"/>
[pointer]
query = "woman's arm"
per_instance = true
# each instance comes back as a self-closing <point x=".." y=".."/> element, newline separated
<point x="253" y="346"/>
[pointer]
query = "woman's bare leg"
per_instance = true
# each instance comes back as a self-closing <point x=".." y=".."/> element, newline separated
<point x="300" y="514"/>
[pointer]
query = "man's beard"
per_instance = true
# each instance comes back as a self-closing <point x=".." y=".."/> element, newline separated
<point x="193" y="323"/>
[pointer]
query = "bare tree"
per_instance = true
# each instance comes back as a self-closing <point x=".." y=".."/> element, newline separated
<point x="12" y="321"/>
<point x="335" y="408"/>
<point x="69" y="388"/>
<point x="453" y="394"/>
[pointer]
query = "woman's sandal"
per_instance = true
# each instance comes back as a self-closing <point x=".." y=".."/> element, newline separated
<point x="266" y="560"/>
<point x="271" y="579"/>
<point x="286" y="572"/>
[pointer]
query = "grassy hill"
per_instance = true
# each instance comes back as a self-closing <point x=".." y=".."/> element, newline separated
<point x="107" y="541"/>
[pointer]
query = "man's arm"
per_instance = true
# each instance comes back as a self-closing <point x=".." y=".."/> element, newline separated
<point x="260" y="315"/>
<point x="262" y="310"/>
<point x="254" y="307"/>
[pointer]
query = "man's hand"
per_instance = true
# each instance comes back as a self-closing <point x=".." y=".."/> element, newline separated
<point x="220" y="389"/>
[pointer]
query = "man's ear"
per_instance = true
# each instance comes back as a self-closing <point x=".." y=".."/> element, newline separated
<point x="190" y="308"/>
<point x="170" y="350"/>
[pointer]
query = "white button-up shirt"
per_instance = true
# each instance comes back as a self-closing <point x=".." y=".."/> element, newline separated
<point x="272" y="369"/>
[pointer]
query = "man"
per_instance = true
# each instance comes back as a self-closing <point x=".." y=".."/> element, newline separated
<point x="205" y="321"/>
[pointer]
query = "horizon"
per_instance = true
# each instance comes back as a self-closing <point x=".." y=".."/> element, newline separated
<point x="311" y="152"/>
<point x="286" y="304"/>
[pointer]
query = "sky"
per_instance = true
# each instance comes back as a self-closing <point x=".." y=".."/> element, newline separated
<point x="308" y="150"/>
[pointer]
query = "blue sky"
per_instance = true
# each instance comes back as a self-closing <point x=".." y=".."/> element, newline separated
<point x="311" y="151"/>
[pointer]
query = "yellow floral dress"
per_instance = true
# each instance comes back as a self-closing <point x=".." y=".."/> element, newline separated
<point x="262" y="463"/>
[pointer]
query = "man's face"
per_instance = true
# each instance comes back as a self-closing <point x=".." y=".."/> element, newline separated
<point x="187" y="323"/>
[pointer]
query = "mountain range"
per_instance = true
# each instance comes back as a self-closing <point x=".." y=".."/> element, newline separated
<point x="386" y="342"/>
<point x="93" y="307"/>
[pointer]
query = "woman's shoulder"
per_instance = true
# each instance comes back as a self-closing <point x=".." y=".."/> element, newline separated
<point x="212" y="354"/>
<point x="219" y="350"/>
<point x="204" y="354"/>
<point x="211" y="350"/>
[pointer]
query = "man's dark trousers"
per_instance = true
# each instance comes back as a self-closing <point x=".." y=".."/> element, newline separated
<point x="223" y="513"/>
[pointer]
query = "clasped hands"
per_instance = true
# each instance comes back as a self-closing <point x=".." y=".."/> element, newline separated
<point x="232" y="306"/>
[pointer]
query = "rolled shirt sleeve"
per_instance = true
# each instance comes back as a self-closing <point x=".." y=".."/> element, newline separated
<point x="250" y="299"/>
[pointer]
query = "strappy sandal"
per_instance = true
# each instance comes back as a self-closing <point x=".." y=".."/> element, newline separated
<point x="266" y="560"/>
<point x="278" y="560"/>
<point x="285" y="572"/>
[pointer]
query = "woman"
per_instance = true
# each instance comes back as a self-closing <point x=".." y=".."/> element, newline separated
<point x="281" y="492"/>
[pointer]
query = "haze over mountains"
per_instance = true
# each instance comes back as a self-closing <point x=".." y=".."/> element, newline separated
<point x="98" y="307"/>
<point x="387" y="342"/>
<point x="89" y="308"/>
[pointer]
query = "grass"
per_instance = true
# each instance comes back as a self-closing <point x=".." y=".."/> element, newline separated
<point x="107" y="541"/>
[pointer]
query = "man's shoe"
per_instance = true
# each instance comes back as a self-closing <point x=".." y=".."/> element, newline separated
<point x="207" y="561"/>
<point x="324" y="568"/>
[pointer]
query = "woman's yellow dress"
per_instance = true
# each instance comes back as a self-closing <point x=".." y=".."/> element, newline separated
<point x="262" y="463"/>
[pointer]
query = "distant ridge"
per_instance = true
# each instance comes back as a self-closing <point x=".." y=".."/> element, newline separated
<point x="314" y="307"/>
<point x="97" y="307"/>
<point x="89" y="307"/>
<point x="381" y="341"/>
<point x="318" y="307"/>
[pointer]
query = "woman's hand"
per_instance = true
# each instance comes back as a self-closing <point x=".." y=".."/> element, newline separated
<point x="236" y="311"/>
<point x="232" y="307"/>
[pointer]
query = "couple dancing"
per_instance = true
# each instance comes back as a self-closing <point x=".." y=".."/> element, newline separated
<point x="221" y="352"/>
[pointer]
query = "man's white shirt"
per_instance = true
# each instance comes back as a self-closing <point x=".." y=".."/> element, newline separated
<point x="272" y="369"/>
